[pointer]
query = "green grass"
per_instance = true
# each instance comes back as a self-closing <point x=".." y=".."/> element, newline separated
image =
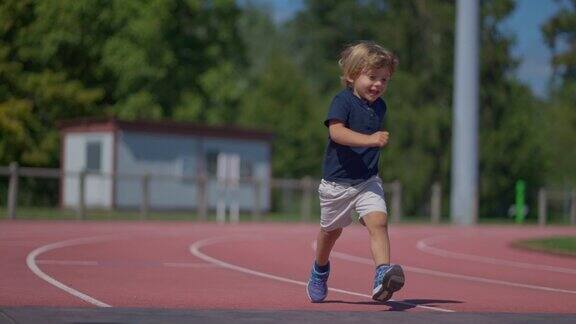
<point x="55" y="213"/>
<point x="565" y="245"/>
<point x="51" y="213"/>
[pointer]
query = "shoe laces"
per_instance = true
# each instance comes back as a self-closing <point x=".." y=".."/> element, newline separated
<point x="318" y="279"/>
<point x="380" y="274"/>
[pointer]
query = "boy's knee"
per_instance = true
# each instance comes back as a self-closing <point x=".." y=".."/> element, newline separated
<point x="333" y="234"/>
<point x="376" y="221"/>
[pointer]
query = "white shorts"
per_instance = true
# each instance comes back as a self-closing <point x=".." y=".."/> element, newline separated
<point x="337" y="201"/>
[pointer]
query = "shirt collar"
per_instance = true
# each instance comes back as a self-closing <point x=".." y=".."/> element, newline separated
<point x="350" y="92"/>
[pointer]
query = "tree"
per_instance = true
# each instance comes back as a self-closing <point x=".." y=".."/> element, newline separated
<point x="36" y="90"/>
<point x="510" y="146"/>
<point x="560" y="118"/>
<point x="129" y="58"/>
<point x="560" y="35"/>
<point x="280" y="99"/>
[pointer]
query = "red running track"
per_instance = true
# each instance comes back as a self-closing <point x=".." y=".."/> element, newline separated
<point x="265" y="267"/>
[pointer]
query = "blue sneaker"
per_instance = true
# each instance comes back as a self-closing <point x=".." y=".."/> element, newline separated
<point x="387" y="280"/>
<point x="317" y="287"/>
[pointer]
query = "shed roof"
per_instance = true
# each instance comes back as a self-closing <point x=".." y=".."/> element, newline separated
<point x="95" y="124"/>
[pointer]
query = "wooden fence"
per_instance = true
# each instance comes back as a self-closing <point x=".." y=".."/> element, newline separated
<point x="306" y="186"/>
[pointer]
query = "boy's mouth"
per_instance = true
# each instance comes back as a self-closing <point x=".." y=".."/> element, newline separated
<point x="374" y="93"/>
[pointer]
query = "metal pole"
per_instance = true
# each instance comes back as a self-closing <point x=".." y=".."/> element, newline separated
<point x="306" y="185"/>
<point x="464" y="188"/>
<point x="13" y="190"/>
<point x="202" y="204"/>
<point x="573" y="208"/>
<point x="82" y="195"/>
<point x="145" y="196"/>
<point x="396" y="201"/>
<point x="286" y="198"/>
<point x="542" y="207"/>
<point x="436" y="203"/>
<point x="257" y="213"/>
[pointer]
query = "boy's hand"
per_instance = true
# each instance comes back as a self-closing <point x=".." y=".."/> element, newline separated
<point x="345" y="136"/>
<point x="379" y="138"/>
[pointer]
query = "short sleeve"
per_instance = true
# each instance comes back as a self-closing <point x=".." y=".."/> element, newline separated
<point x="339" y="110"/>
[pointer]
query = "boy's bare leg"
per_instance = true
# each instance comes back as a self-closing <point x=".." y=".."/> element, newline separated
<point x="377" y="225"/>
<point x="324" y="244"/>
<point x="388" y="278"/>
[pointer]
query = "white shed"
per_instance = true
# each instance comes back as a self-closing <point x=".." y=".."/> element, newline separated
<point x="116" y="154"/>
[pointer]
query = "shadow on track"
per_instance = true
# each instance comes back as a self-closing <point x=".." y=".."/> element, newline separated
<point x="398" y="305"/>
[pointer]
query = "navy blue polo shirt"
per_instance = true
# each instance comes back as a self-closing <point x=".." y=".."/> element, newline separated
<point x="346" y="164"/>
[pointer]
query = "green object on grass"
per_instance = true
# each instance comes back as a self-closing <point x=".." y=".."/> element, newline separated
<point x="520" y="201"/>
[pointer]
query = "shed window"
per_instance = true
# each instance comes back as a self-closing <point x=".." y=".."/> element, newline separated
<point x="246" y="169"/>
<point x="94" y="156"/>
<point x="212" y="164"/>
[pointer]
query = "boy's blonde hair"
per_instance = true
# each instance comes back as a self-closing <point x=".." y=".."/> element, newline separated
<point x="363" y="56"/>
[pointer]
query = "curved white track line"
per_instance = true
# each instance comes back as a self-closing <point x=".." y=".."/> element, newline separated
<point x="31" y="262"/>
<point x="98" y="263"/>
<point x="196" y="247"/>
<point x="424" y="245"/>
<point x="353" y="258"/>
<point x="68" y="263"/>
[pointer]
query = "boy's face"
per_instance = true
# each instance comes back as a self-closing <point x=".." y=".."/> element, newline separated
<point x="371" y="84"/>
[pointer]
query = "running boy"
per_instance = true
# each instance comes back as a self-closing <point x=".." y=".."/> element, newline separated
<point x="350" y="178"/>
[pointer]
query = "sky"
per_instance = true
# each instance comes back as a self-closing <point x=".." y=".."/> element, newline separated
<point x="524" y="23"/>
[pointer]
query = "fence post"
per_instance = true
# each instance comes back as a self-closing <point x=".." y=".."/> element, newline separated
<point x="436" y="203"/>
<point x="306" y="184"/>
<point x="396" y="201"/>
<point x="542" y="207"/>
<point x="82" y="195"/>
<point x="202" y="204"/>
<point x="13" y="190"/>
<point x="286" y="199"/>
<point x="573" y="208"/>
<point x="256" y="211"/>
<point x="145" y="196"/>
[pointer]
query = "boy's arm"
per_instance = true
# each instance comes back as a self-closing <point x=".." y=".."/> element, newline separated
<point x="345" y="136"/>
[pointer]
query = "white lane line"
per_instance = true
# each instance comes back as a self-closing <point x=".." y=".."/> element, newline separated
<point x="67" y="263"/>
<point x="196" y="247"/>
<point x="97" y="263"/>
<point x="189" y="265"/>
<point x="353" y="258"/>
<point x="32" y="265"/>
<point x="425" y="245"/>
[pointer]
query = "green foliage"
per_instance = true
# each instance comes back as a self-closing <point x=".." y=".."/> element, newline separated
<point x="280" y="101"/>
<point x="510" y="148"/>
<point x="127" y="58"/>
<point x="281" y="98"/>
<point x="560" y="117"/>
<point x="559" y="33"/>
<point x="560" y="131"/>
<point x="37" y="87"/>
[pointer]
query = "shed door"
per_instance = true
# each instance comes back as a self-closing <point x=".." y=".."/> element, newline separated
<point x="96" y="183"/>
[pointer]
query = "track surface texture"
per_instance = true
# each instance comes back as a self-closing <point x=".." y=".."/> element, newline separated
<point x="148" y="272"/>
